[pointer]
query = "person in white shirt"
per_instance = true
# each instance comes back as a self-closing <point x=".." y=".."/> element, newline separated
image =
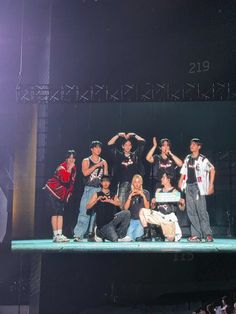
<point x="197" y="181"/>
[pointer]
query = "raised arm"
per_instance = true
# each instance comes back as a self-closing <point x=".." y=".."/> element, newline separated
<point x="150" y="154"/>
<point x="105" y="167"/>
<point x="136" y="136"/>
<point x="176" y="159"/>
<point x="115" y="138"/>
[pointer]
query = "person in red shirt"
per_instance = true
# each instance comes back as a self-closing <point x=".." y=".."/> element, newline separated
<point x="58" y="191"/>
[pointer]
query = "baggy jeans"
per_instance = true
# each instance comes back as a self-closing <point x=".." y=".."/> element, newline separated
<point x="197" y="212"/>
<point x="117" y="228"/>
<point x="85" y="220"/>
<point x="123" y="193"/>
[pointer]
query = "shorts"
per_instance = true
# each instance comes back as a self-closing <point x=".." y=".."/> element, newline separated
<point x="54" y="205"/>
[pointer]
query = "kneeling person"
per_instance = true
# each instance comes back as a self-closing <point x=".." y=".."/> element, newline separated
<point x="163" y="215"/>
<point x="110" y="224"/>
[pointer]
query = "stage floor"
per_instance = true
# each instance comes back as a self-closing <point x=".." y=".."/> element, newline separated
<point x="218" y="246"/>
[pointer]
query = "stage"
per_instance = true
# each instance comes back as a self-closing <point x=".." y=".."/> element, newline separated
<point x="219" y="245"/>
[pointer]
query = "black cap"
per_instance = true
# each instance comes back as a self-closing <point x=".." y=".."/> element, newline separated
<point x="95" y="143"/>
<point x="105" y="177"/>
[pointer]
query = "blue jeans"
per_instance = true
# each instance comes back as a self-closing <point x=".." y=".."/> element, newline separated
<point x="85" y="220"/>
<point x="117" y="228"/>
<point x="135" y="229"/>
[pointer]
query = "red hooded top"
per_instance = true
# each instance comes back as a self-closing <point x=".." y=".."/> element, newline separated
<point x="61" y="184"/>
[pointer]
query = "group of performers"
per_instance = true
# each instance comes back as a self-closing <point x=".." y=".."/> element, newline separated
<point x="130" y="214"/>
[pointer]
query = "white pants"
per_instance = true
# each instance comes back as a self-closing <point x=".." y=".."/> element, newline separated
<point x="168" y="223"/>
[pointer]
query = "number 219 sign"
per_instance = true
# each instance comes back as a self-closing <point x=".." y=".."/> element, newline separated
<point x="198" y="67"/>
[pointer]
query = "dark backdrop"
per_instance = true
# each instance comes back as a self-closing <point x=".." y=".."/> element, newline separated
<point x="74" y="126"/>
<point x="139" y="40"/>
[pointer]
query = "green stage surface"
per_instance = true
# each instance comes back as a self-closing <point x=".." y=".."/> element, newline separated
<point x="218" y="246"/>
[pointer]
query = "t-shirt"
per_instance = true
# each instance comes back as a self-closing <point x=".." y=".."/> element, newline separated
<point x="105" y="212"/>
<point x="127" y="166"/>
<point x="166" y="208"/>
<point x="94" y="178"/>
<point x="161" y="165"/>
<point x="137" y="203"/>
<point x="191" y="170"/>
<point x="202" y="167"/>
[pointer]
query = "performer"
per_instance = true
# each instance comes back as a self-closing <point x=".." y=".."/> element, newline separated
<point x="138" y="198"/>
<point x="197" y="180"/>
<point x="93" y="169"/>
<point x="110" y="224"/>
<point x="165" y="162"/>
<point x="127" y="162"/>
<point x="163" y="214"/>
<point x="58" y="191"/>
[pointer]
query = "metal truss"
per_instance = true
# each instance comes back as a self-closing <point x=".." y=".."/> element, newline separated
<point x="129" y="92"/>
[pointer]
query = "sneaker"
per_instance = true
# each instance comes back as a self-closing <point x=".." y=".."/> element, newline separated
<point x="159" y="239"/>
<point x="194" y="239"/>
<point x="60" y="238"/>
<point x="97" y="235"/>
<point x="125" y="239"/>
<point x="64" y="238"/>
<point x="54" y="239"/>
<point x="76" y="239"/>
<point x="91" y="237"/>
<point x="209" y="238"/>
<point x="178" y="237"/>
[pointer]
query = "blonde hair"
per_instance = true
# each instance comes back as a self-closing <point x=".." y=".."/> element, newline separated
<point x="137" y="176"/>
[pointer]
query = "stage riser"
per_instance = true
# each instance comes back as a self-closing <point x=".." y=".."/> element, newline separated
<point x="72" y="282"/>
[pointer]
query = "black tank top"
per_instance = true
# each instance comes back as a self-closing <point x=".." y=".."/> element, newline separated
<point x="94" y="178"/>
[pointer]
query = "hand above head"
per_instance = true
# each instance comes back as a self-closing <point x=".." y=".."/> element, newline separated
<point x="154" y="141"/>
<point x="122" y="134"/>
<point x="128" y="135"/>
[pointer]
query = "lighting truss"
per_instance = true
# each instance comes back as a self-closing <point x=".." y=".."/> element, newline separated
<point x="128" y="92"/>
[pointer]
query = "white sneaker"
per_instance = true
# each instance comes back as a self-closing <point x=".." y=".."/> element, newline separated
<point x="61" y="238"/>
<point x="125" y="239"/>
<point x="178" y="236"/>
<point x="97" y="239"/>
<point x="54" y="239"/>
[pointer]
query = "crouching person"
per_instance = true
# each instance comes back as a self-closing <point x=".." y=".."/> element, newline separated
<point x="138" y="198"/>
<point x="110" y="225"/>
<point x="164" y="213"/>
